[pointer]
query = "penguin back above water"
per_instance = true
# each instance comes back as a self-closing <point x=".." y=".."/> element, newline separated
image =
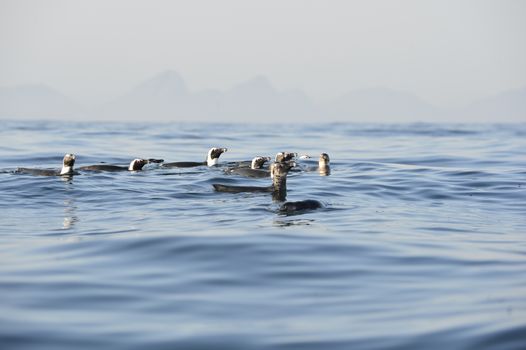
<point x="67" y="168"/>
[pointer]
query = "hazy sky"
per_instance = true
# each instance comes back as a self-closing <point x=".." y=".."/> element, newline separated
<point x="447" y="52"/>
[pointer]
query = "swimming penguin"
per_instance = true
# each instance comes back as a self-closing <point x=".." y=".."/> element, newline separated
<point x="67" y="168"/>
<point x="323" y="165"/>
<point x="299" y="206"/>
<point x="258" y="162"/>
<point x="308" y="204"/>
<point x="211" y="160"/>
<point x="278" y="188"/>
<point x="135" y="165"/>
<point x="255" y="169"/>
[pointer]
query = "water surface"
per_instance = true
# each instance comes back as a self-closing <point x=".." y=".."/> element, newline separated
<point x="421" y="242"/>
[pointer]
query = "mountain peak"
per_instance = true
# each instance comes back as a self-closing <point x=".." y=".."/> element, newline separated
<point x="168" y="82"/>
<point x="257" y="83"/>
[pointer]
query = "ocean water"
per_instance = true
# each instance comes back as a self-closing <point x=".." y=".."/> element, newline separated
<point x="421" y="243"/>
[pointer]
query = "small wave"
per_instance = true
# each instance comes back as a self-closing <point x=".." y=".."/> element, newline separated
<point x="422" y="225"/>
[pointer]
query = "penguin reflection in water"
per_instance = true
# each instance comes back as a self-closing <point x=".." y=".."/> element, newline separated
<point x="67" y="168"/>
<point x="278" y="189"/>
<point x="211" y="159"/>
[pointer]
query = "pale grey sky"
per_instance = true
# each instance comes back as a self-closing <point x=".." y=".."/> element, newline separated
<point x="447" y="52"/>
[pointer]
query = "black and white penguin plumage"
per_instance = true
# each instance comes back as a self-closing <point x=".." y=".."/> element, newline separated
<point x="211" y="159"/>
<point x="135" y="165"/>
<point x="255" y="169"/>
<point x="67" y="168"/>
<point x="278" y="188"/>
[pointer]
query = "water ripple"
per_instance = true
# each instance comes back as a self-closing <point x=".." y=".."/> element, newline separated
<point x="419" y="244"/>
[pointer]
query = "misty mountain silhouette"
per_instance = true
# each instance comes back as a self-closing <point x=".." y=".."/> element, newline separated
<point x="166" y="97"/>
<point x="161" y="96"/>
<point x="381" y="104"/>
<point x="35" y="101"/>
<point x="168" y="83"/>
<point x="506" y="106"/>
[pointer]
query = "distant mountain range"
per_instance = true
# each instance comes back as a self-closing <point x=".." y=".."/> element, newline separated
<point x="35" y="101"/>
<point x="166" y="97"/>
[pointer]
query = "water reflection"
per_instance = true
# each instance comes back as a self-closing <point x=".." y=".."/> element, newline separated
<point x="325" y="171"/>
<point x="292" y="222"/>
<point x="70" y="214"/>
<point x="70" y="207"/>
<point x="68" y="179"/>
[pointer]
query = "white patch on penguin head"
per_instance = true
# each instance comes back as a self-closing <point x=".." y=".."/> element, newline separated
<point x="213" y="155"/>
<point x="257" y="162"/>
<point x="137" y="164"/>
<point x="69" y="160"/>
<point x="67" y="164"/>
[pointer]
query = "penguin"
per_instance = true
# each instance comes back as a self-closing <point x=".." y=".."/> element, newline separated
<point x="323" y="165"/>
<point x="255" y="169"/>
<point x="278" y="188"/>
<point x="135" y="165"/>
<point x="211" y="160"/>
<point x="67" y="168"/>
<point x="289" y="208"/>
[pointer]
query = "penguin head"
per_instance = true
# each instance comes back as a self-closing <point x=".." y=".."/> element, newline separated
<point x="324" y="159"/>
<point x="69" y="160"/>
<point x="137" y="164"/>
<point x="257" y="162"/>
<point x="285" y="157"/>
<point x="67" y="164"/>
<point x="213" y="155"/>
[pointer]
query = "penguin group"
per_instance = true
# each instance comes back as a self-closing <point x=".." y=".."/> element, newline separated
<point x="283" y="163"/>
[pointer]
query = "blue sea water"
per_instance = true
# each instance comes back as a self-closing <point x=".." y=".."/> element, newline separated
<point x="421" y="243"/>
